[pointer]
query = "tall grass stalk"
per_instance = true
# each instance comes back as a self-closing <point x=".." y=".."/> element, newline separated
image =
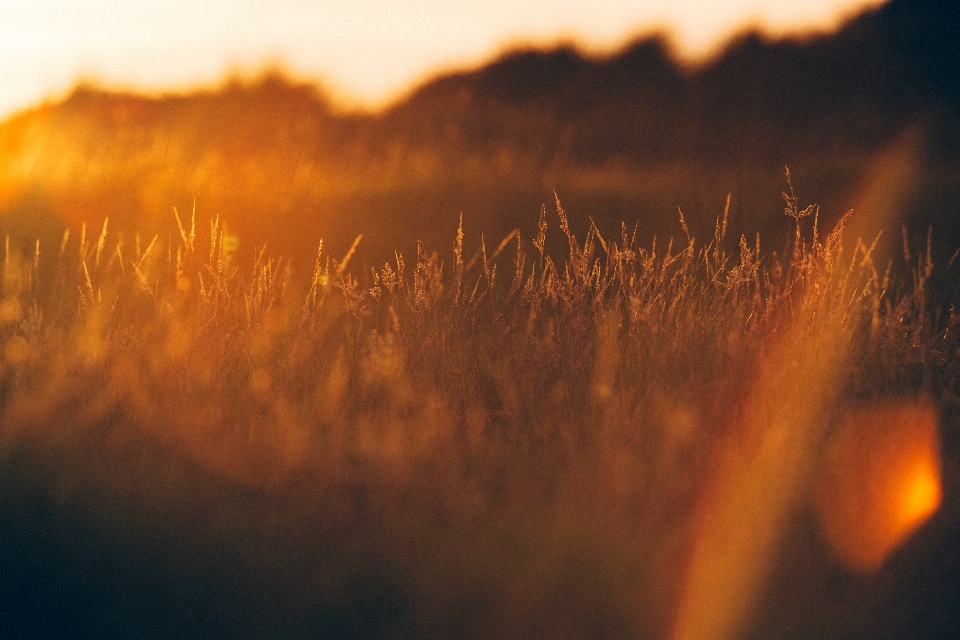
<point x="519" y="442"/>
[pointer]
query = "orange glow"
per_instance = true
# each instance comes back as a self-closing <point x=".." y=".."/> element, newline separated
<point x="921" y="495"/>
<point x="880" y="483"/>
<point x="745" y="507"/>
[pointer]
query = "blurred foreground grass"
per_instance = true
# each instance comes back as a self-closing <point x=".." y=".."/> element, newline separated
<point x="497" y="445"/>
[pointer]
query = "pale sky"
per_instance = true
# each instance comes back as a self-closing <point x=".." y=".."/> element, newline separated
<point x="364" y="52"/>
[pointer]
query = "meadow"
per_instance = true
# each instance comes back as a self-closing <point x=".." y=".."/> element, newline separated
<point x="482" y="443"/>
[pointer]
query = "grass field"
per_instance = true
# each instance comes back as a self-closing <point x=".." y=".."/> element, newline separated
<point x="620" y="444"/>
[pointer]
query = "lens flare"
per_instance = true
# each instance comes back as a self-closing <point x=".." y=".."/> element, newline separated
<point x="880" y="482"/>
<point x="922" y="495"/>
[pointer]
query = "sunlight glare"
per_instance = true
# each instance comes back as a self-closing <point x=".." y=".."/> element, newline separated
<point x="881" y="482"/>
<point x="922" y="494"/>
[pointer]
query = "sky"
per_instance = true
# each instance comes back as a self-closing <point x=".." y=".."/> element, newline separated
<point x="364" y="53"/>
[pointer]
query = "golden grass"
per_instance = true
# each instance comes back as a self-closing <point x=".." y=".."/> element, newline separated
<point x="526" y="447"/>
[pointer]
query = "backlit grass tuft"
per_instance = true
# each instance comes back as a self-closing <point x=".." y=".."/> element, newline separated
<point x="448" y="445"/>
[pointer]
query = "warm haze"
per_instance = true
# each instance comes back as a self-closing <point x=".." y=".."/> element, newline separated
<point x="553" y="345"/>
<point x="367" y="52"/>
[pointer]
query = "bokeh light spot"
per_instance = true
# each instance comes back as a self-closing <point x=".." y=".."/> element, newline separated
<point x="880" y="482"/>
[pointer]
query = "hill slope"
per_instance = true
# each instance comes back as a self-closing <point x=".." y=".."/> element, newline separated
<point x="629" y="137"/>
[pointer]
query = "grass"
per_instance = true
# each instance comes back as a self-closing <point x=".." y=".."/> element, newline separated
<point x="492" y="445"/>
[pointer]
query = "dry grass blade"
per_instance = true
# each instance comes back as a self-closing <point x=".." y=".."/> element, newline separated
<point x="636" y="428"/>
